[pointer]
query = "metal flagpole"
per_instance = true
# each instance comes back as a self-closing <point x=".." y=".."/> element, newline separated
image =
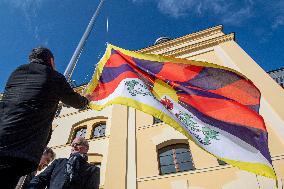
<point x="72" y="64"/>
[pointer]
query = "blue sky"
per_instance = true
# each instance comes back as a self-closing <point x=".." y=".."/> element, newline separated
<point x="133" y="24"/>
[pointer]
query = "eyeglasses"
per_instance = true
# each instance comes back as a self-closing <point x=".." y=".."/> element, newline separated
<point x="78" y="144"/>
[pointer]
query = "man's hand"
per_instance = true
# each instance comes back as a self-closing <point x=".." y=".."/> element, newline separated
<point x="87" y="106"/>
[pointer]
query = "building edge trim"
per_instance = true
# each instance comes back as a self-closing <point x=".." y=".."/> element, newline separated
<point x="72" y="113"/>
<point x="202" y="45"/>
<point x="89" y="140"/>
<point x="179" y="40"/>
<point x="207" y="169"/>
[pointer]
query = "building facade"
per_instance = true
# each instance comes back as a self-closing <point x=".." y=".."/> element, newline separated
<point x="136" y="151"/>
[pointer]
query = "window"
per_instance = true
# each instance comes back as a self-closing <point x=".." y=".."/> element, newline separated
<point x="221" y="162"/>
<point x="80" y="132"/>
<point x="99" y="130"/>
<point x="90" y="128"/>
<point x="156" y="120"/>
<point x="175" y="158"/>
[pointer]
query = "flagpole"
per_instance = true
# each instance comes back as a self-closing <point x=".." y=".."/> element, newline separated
<point x="72" y="64"/>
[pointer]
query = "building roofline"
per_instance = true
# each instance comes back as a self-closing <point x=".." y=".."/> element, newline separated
<point x="201" y="45"/>
<point x="174" y="41"/>
<point x="278" y="69"/>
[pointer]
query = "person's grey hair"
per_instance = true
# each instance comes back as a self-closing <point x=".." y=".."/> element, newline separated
<point x="83" y="141"/>
<point x="47" y="151"/>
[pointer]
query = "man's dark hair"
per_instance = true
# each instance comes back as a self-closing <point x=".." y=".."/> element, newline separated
<point x="47" y="151"/>
<point x="41" y="53"/>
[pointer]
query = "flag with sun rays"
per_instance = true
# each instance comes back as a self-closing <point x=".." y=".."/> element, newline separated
<point x="214" y="106"/>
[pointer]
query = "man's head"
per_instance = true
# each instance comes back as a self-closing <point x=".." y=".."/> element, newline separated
<point x="43" y="54"/>
<point x="80" y="145"/>
<point x="47" y="156"/>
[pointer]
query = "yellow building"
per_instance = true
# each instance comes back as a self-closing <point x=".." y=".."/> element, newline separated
<point x="136" y="151"/>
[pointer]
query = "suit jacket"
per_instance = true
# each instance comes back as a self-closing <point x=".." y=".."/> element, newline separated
<point x="55" y="176"/>
<point x="28" y="107"/>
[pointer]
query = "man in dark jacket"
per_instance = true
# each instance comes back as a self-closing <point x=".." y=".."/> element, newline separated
<point x="27" y="110"/>
<point x="72" y="173"/>
<point x="47" y="157"/>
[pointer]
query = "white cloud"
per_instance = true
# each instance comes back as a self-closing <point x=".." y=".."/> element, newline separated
<point x="172" y="8"/>
<point x="36" y="32"/>
<point x="24" y="3"/>
<point x="279" y="21"/>
<point x="279" y="18"/>
<point x="29" y="9"/>
<point x="237" y="17"/>
<point x="138" y="1"/>
<point x="228" y="11"/>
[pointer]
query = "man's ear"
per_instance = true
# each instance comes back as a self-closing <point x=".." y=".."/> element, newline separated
<point x="51" y="61"/>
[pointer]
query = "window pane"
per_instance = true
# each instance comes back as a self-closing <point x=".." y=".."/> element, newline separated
<point x="183" y="157"/>
<point x="81" y="132"/>
<point x="186" y="166"/>
<point x="168" y="169"/>
<point x="180" y="148"/>
<point x="168" y="150"/>
<point x="99" y="130"/>
<point x="166" y="160"/>
<point x="172" y="156"/>
<point x="166" y="153"/>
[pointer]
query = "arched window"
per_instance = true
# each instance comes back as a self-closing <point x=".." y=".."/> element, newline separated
<point x="175" y="158"/>
<point x="99" y="130"/>
<point x="80" y="132"/>
<point x="90" y="128"/>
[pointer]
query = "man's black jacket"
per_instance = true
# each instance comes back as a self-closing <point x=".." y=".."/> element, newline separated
<point x="28" y="108"/>
<point x="55" y="176"/>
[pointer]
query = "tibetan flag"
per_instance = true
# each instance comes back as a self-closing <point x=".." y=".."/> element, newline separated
<point x="214" y="106"/>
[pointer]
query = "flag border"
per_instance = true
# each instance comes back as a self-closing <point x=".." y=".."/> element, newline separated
<point x="256" y="168"/>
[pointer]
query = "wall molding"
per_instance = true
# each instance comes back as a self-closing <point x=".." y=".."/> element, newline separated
<point x="181" y="40"/>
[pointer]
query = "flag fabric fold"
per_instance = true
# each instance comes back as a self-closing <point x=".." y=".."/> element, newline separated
<point x="214" y="106"/>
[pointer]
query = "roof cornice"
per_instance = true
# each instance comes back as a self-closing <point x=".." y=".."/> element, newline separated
<point x="199" y="46"/>
<point x="183" y="39"/>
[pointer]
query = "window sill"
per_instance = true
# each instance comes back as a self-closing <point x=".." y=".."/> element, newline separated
<point x="157" y="177"/>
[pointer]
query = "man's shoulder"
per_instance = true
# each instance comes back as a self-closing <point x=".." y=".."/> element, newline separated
<point x="60" y="160"/>
<point x="19" y="70"/>
<point x="57" y="75"/>
<point x="21" y="67"/>
<point x="93" y="168"/>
